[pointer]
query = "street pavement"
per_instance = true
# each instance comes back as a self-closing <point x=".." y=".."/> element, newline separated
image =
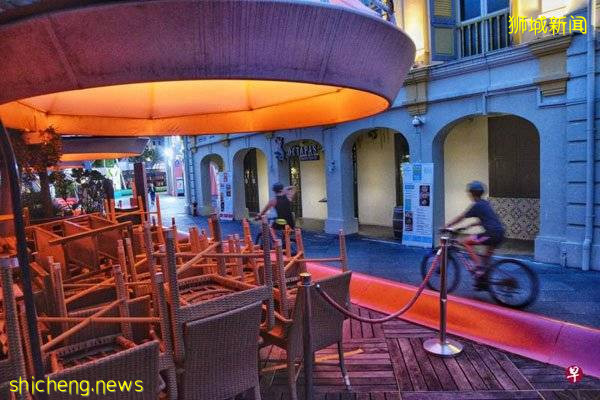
<point x="566" y="294"/>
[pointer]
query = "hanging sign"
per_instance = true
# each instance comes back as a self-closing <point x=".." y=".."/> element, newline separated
<point x="225" y="197"/>
<point x="304" y="152"/>
<point x="417" y="180"/>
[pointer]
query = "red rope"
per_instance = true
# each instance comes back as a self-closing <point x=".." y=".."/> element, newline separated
<point x="390" y="317"/>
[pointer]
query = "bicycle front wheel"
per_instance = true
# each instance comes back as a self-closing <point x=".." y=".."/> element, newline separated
<point x="512" y="283"/>
<point x="452" y="271"/>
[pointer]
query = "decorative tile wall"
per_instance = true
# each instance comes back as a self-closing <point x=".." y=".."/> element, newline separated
<point x="521" y="217"/>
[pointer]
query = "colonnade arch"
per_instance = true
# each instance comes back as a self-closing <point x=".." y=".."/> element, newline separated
<point x="503" y="152"/>
<point x="371" y="162"/>
<point x="210" y="166"/>
<point x="250" y="182"/>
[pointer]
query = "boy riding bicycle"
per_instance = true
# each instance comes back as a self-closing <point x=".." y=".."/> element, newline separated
<point x="493" y="234"/>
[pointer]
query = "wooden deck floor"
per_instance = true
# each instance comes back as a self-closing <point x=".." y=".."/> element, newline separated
<point x="388" y="362"/>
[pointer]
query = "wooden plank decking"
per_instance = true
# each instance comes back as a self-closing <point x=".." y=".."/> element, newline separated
<point x="388" y="362"/>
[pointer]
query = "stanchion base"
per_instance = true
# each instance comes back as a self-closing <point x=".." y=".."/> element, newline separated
<point x="448" y="349"/>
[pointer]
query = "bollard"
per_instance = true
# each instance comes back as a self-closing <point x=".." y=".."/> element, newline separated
<point x="307" y="336"/>
<point x="442" y="346"/>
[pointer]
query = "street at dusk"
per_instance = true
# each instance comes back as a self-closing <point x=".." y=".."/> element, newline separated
<point x="299" y="200"/>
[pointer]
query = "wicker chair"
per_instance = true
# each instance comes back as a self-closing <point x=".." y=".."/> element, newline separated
<point x="327" y="324"/>
<point x="13" y="366"/>
<point x="139" y="363"/>
<point x="222" y="355"/>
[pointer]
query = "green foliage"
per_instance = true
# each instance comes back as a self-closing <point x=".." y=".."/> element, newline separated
<point x="36" y="158"/>
<point x="33" y="201"/>
<point x="104" y="163"/>
<point x="63" y="184"/>
<point x="150" y="156"/>
<point x="90" y="189"/>
<point x="65" y="189"/>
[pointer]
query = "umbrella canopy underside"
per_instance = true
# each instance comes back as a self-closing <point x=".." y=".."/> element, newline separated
<point x="198" y="67"/>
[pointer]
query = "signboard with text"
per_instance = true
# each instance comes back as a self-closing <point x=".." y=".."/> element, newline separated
<point x="225" y="196"/>
<point x="304" y="152"/>
<point x="417" y="180"/>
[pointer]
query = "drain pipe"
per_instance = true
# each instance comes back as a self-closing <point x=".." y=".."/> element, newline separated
<point x="590" y="137"/>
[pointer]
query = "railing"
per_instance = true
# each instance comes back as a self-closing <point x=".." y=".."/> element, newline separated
<point x="484" y="34"/>
<point x="385" y="8"/>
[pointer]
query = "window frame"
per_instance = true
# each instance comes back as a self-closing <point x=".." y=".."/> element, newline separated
<point x="460" y="24"/>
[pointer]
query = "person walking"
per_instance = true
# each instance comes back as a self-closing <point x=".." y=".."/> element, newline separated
<point x="152" y="193"/>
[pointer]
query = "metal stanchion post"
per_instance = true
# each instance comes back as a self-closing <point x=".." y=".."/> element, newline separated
<point x="307" y="335"/>
<point x="442" y="346"/>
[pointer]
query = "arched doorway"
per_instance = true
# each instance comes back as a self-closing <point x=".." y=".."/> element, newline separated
<point x="304" y="163"/>
<point x="210" y="166"/>
<point x="251" y="182"/>
<point x="502" y="151"/>
<point x="376" y="188"/>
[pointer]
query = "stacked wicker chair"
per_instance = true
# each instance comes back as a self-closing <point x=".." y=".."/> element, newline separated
<point x="326" y="326"/>
<point x="115" y="340"/>
<point x="12" y="361"/>
<point x="183" y="313"/>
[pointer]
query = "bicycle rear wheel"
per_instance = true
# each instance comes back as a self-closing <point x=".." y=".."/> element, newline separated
<point x="512" y="283"/>
<point x="452" y="271"/>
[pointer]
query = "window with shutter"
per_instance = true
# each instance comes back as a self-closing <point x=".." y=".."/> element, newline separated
<point x="442" y="15"/>
<point x="514" y="158"/>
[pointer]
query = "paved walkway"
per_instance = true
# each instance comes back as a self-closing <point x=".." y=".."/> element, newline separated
<point x="565" y="293"/>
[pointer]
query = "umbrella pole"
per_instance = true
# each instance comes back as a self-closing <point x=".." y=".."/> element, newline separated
<point x="8" y="157"/>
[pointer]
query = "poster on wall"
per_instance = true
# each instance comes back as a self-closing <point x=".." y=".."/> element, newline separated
<point x="225" y="196"/>
<point x="214" y="187"/>
<point x="417" y="179"/>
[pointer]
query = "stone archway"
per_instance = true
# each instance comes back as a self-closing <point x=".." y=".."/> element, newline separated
<point x="302" y="164"/>
<point x="372" y="186"/>
<point x="209" y="166"/>
<point x="251" y="182"/>
<point x="502" y="151"/>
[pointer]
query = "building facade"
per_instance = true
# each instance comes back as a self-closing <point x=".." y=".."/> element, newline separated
<point x="510" y="110"/>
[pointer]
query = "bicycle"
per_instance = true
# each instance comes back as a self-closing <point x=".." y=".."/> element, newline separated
<point x="277" y="234"/>
<point x="510" y="282"/>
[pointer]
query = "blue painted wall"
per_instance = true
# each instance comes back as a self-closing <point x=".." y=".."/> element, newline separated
<point x="503" y="82"/>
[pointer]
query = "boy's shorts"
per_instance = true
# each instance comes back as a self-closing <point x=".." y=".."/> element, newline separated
<point x="489" y="239"/>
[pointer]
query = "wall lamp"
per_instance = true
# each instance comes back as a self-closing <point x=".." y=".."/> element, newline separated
<point x="418" y="121"/>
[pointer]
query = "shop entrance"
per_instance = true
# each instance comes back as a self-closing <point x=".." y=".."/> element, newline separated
<point x="377" y="157"/>
<point x="251" y="181"/>
<point x="306" y="171"/>
<point x="296" y="181"/>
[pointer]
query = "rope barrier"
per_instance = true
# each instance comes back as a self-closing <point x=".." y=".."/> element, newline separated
<point x="390" y="317"/>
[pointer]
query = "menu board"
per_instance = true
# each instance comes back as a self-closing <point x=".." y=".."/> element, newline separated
<point x="225" y="196"/>
<point x="417" y="180"/>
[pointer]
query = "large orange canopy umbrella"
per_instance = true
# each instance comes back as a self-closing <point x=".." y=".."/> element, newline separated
<point x="196" y="67"/>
